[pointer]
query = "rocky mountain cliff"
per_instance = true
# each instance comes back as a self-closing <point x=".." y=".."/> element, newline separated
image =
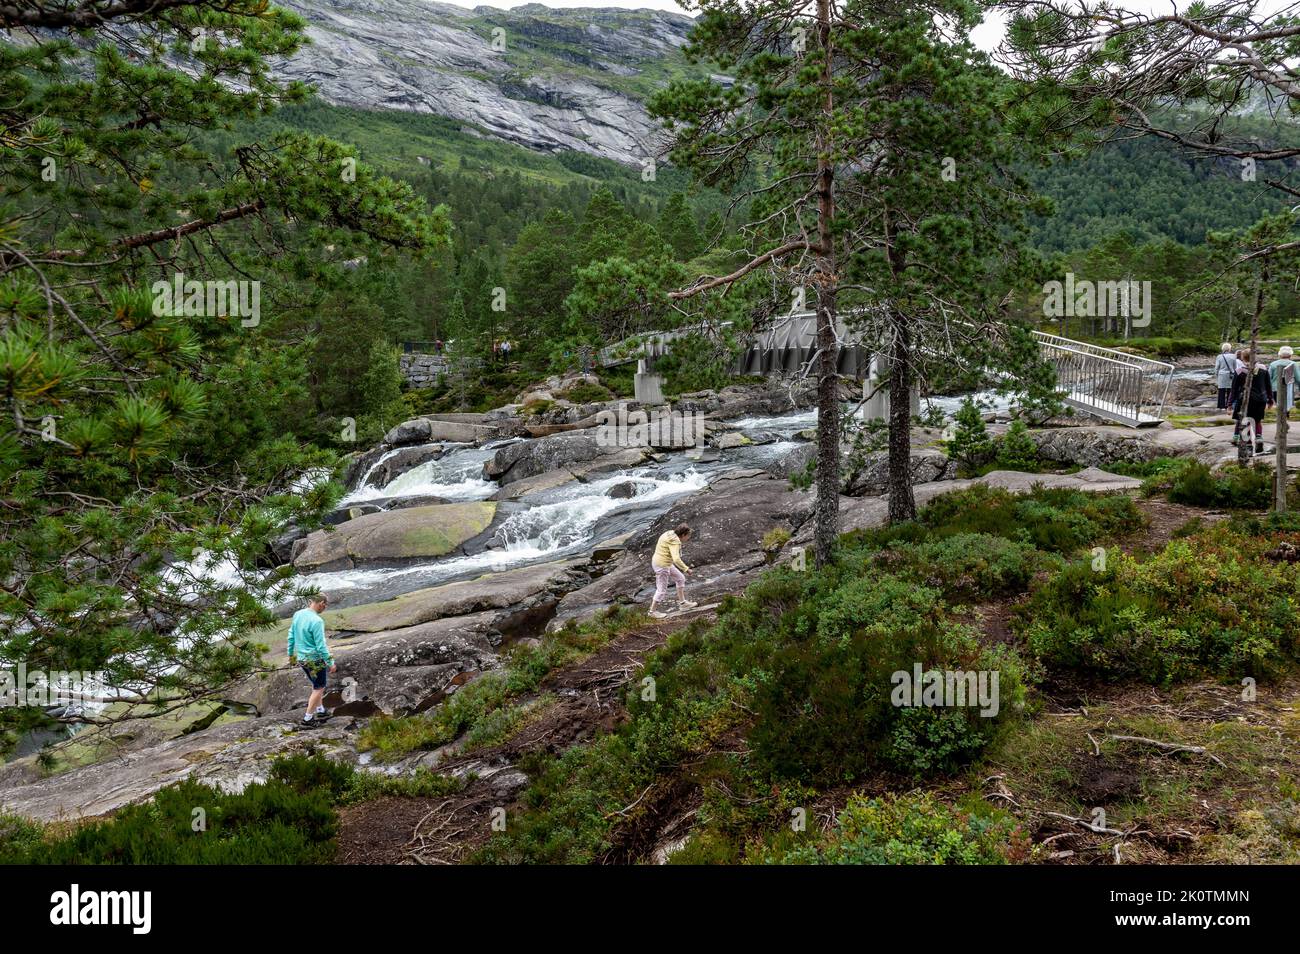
<point x="546" y="79"/>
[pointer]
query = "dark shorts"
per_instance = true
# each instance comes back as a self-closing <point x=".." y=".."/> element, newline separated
<point x="318" y="673"/>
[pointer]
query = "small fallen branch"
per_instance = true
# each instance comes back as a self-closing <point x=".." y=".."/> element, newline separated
<point x="624" y="811"/>
<point x="1170" y="747"/>
<point x="1084" y="823"/>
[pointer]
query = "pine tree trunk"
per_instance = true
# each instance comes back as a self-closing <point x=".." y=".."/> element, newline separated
<point x="902" y="504"/>
<point x="827" y="515"/>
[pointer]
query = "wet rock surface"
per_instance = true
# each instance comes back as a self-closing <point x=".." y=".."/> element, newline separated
<point x="394" y="537"/>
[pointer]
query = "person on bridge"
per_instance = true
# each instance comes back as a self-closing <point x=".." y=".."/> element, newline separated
<point x="1225" y="369"/>
<point x="668" y="566"/>
<point x="307" y="642"/>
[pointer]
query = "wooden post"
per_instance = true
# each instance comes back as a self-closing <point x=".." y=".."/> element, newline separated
<point x="1283" y="400"/>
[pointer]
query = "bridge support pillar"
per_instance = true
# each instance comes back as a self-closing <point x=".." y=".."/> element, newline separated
<point x="647" y="387"/>
<point x="876" y="407"/>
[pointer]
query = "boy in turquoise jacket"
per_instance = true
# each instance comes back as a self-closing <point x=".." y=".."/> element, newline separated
<point x="307" y="642"/>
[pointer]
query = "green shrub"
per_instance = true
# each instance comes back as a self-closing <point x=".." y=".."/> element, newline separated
<point x="1016" y="450"/>
<point x="1209" y="604"/>
<point x="584" y="392"/>
<point x="1247" y="488"/>
<point x="914" y="829"/>
<point x="971" y="445"/>
<point x="1057" y="520"/>
<point x="282" y="821"/>
<point x="966" y="566"/>
<point x="1145" y="469"/>
<point x="825" y="713"/>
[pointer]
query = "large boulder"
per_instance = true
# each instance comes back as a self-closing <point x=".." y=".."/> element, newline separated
<point x="422" y="430"/>
<point x="395" y="537"/>
<point x="530" y="458"/>
<point x="408" y="432"/>
<point x="791" y="461"/>
<point x="389" y="468"/>
<point x="510" y="590"/>
<point x="1095" y="446"/>
<point x="872" y="477"/>
<point x="624" y="459"/>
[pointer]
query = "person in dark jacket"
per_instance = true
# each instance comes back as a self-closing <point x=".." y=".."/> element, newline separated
<point x="1254" y="404"/>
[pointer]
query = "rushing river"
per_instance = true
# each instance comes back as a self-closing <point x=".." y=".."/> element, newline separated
<point x="563" y="521"/>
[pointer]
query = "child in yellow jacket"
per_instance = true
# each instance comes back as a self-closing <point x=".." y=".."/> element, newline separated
<point x="668" y="566"/>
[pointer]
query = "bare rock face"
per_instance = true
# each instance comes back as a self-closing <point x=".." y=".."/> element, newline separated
<point x="545" y="79"/>
<point x="1095" y="446"/>
<point x="526" y="459"/>
<point x="925" y="466"/>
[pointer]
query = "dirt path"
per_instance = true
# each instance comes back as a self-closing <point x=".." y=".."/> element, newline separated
<point x="446" y="829"/>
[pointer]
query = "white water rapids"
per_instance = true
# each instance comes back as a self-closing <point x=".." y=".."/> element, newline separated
<point x="556" y="523"/>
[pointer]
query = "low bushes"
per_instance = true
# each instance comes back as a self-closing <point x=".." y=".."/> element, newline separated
<point x="1190" y="482"/>
<point x="914" y="829"/>
<point x="1246" y="488"/>
<point x="1054" y="520"/>
<point x="289" y="819"/>
<point x="825" y="708"/>
<point x="1209" y="603"/>
<point x="966" y="566"/>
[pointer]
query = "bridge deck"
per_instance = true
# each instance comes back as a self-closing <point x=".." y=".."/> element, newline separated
<point x="1110" y="384"/>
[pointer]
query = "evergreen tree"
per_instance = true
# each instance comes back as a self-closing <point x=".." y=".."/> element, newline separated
<point x="970" y="445"/>
<point x="677" y="227"/>
<point x="149" y="437"/>
<point x="1016" y="449"/>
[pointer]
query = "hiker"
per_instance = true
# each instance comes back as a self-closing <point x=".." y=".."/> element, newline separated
<point x="1225" y="369"/>
<point x="505" y="349"/>
<point x="668" y="566"/>
<point x="1252" y="405"/>
<point x="307" y="642"/>
<point x="1276" y="371"/>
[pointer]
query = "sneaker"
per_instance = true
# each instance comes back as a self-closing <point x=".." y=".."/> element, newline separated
<point x="658" y="614"/>
<point x="308" y="723"/>
<point x="688" y="604"/>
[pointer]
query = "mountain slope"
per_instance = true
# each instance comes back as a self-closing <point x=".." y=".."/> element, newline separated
<point x="549" y="80"/>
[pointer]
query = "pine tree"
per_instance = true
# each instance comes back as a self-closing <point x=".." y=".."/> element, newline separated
<point x="676" y="226"/>
<point x="1017" y="450"/>
<point x="142" y="431"/>
<point x="970" y="445"/>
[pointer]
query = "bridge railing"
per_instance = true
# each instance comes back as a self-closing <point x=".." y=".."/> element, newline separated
<point x="1125" y="388"/>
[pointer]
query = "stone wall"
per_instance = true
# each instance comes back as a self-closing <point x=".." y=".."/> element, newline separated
<point x="422" y="370"/>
